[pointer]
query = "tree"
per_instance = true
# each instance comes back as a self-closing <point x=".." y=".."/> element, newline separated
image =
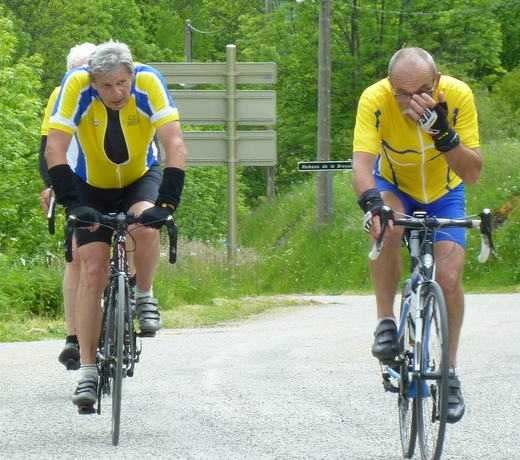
<point x="20" y="219"/>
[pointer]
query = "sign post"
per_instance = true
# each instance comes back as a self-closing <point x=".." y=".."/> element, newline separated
<point x="232" y="153"/>
<point x="230" y="108"/>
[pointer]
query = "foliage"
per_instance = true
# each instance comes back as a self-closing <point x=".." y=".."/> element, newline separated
<point x="202" y="215"/>
<point x="477" y="40"/>
<point x="20" y="220"/>
<point x="29" y="291"/>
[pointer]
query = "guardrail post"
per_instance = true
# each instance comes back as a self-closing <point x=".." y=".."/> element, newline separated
<point x="232" y="151"/>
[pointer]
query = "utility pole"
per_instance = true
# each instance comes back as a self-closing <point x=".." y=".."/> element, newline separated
<point x="324" y="180"/>
<point x="187" y="41"/>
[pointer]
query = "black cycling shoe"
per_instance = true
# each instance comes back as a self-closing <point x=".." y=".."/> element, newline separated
<point x="456" y="406"/>
<point x="69" y="356"/>
<point x="385" y="347"/>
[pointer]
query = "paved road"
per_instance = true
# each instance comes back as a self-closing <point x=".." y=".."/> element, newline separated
<point x="294" y="383"/>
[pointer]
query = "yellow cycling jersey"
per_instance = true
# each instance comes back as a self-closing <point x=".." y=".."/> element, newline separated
<point x="406" y="154"/>
<point x="72" y="151"/>
<point x="79" y="111"/>
<point x="44" y="130"/>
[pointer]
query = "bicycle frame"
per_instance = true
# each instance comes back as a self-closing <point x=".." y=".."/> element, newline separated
<point x="420" y="244"/>
<point x="119" y="276"/>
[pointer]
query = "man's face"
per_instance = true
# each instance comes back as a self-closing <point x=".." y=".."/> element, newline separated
<point x="406" y="82"/>
<point x="113" y="87"/>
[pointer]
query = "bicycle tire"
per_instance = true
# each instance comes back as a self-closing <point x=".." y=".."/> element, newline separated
<point x="106" y="343"/>
<point x="406" y="404"/>
<point x="432" y="403"/>
<point x="119" y="345"/>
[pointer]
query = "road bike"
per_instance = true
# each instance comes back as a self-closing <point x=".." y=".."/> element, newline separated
<point x="419" y="373"/>
<point x="118" y="349"/>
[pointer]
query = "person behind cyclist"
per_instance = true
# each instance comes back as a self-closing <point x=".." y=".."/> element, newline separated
<point x="113" y="109"/>
<point x="416" y="143"/>
<point x="69" y="356"/>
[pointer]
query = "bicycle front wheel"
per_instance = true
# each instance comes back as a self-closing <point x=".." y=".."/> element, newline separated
<point x="119" y="330"/>
<point x="405" y="402"/>
<point x="432" y="401"/>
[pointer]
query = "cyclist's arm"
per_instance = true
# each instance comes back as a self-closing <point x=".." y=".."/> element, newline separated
<point x="362" y="167"/>
<point x="57" y="145"/>
<point x="466" y="162"/>
<point x="170" y="135"/>
<point x="44" y="172"/>
<point x="363" y="180"/>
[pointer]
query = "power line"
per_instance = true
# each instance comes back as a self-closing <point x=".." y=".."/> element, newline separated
<point x="206" y="32"/>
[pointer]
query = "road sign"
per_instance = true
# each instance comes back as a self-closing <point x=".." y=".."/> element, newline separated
<point x="254" y="148"/>
<point x="321" y="166"/>
<point x="209" y="107"/>
<point x="183" y="73"/>
<point x="229" y="107"/>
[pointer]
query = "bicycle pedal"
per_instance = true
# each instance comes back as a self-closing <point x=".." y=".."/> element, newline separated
<point x="389" y="387"/>
<point x="87" y="409"/>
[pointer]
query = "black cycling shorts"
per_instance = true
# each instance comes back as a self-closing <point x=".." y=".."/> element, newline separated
<point x="116" y="200"/>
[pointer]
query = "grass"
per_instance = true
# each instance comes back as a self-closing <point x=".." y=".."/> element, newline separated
<point x="283" y="251"/>
<point x="19" y="328"/>
<point x="221" y="310"/>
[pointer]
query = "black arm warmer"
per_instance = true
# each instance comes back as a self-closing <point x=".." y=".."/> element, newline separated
<point x="370" y="199"/>
<point x="64" y="184"/>
<point x="44" y="172"/>
<point x="171" y="186"/>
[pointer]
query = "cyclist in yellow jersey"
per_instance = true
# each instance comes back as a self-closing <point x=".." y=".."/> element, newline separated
<point x="113" y="109"/>
<point x="416" y="143"/>
<point x="69" y="356"/>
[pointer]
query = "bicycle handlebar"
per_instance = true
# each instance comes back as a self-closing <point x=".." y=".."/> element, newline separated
<point x="120" y="221"/>
<point x="485" y="224"/>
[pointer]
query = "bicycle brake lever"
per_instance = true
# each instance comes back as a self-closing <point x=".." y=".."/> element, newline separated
<point x="486" y="241"/>
<point x="386" y="215"/>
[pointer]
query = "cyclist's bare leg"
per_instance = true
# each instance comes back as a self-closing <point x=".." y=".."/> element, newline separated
<point x="386" y="269"/>
<point x="146" y="254"/>
<point x="450" y="263"/>
<point x="70" y="286"/>
<point x="92" y="281"/>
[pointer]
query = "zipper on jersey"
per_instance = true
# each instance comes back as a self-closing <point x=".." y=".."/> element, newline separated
<point x="423" y="165"/>
<point x="118" y="176"/>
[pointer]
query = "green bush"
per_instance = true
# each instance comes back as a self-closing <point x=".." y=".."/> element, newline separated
<point x="30" y="290"/>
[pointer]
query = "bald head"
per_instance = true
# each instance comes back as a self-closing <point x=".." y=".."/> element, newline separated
<point x="411" y="60"/>
<point x="412" y="71"/>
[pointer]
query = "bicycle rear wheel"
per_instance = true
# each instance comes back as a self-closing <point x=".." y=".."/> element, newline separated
<point x="405" y="402"/>
<point x="119" y="329"/>
<point x="432" y="401"/>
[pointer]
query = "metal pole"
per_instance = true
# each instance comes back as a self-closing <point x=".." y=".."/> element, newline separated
<point x="187" y="41"/>
<point x="232" y="151"/>
<point x="324" y="180"/>
<point x="270" y="172"/>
